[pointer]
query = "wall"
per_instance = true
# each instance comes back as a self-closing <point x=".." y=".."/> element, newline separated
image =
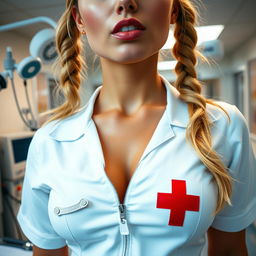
<point x="224" y="70"/>
<point x="238" y="62"/>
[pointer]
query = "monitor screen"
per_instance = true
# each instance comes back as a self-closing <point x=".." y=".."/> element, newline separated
<point x="20" y="149"/>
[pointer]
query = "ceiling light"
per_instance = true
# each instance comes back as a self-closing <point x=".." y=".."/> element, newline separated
<point x="205" y="33"/>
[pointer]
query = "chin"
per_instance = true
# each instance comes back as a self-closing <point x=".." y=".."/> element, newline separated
<point x="127" y="58"/>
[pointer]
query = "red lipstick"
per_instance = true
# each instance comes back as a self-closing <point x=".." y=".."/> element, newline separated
<point x="128" y="35"/>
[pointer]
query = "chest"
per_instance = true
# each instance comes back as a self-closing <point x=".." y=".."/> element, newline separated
<point x="161" y="182"/>
<point x="123" y="141"/>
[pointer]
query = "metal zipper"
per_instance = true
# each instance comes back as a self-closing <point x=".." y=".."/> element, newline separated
<point x="124" y="230"/>
<point x="122" y="209"/>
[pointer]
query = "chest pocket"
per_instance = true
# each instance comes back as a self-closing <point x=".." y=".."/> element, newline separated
<point x="66" y="213"/>
<point x="75" y="218"/>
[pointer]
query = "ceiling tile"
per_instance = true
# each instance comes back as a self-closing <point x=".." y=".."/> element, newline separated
<point x="231" y="39"/>
<point x="246" y="13"/>
<point x="215" y="12"/>
<point x="5" y="7"/>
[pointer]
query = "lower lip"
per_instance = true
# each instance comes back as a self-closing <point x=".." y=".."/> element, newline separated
<point x="128" y="35"/>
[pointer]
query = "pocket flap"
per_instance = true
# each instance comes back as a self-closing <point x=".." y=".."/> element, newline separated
<point x="83" y="203"/>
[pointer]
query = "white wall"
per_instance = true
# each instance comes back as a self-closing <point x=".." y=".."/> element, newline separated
<point x="224" y="70"/>
<point x="238" y="61"/>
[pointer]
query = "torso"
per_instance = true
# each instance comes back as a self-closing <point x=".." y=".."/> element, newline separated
<point x="123" y="140"/>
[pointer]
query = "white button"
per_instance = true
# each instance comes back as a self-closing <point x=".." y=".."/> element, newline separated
<point x="83" y="203"/>
<point x="57" y="210"/>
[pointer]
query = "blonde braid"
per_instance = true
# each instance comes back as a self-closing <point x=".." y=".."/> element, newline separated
<point x="68" y="44"/>
<point x="198" y="130"/>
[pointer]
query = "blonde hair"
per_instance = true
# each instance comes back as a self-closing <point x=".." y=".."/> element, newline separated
<point x="68" y="44"/>
<point x="198" y="130"/>
<point x="70" y="63"/>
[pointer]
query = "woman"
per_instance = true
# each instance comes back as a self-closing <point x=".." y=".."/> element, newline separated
<point x="145" y="168"/>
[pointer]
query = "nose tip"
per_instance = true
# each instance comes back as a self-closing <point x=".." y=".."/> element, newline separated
<point x="127" y="5"/>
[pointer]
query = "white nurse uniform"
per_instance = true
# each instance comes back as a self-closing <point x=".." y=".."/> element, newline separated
<point x="169" y="204"/>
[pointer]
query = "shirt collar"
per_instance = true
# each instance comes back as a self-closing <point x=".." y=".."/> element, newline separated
<point x="75" y="126"/>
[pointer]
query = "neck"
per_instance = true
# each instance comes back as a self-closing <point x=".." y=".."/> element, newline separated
<point x="129" y="87"/>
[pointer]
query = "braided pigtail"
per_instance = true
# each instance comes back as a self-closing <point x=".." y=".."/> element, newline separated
<point x="70" y="63"/>
<point x="198" y="130"/>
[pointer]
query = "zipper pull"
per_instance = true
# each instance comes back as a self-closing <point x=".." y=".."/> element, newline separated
<point x="123" y="222"/>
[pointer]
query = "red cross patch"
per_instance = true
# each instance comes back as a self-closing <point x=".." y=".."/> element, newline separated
<point x="178" y="202"/>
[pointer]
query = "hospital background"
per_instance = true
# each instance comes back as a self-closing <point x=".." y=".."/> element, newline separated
<point x="227" y="36"/>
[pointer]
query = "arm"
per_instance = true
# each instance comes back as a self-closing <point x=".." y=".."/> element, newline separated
<point x="57" y="252"/>
<point x="226" y="243"/>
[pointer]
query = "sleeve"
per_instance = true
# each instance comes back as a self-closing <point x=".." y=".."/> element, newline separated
<point x="33" y="213"/>
<point x="242" y="167"/>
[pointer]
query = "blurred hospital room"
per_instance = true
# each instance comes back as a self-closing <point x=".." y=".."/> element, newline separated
<point x="28" y="82"/>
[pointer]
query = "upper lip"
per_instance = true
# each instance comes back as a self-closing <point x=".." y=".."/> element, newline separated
<point x="128" y="22"/>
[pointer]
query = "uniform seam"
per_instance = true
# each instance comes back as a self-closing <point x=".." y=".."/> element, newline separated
<point x="73" y="237"/>
<point x="200" y="215"/>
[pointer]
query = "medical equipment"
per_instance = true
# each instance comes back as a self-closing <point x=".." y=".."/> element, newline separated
<point x="3" y="81"/>
<point x="27" y="68"/>
<point x="13" y="155"/>
<point x="6" y="250"/>
<point x="42" y="50"/>
<point x="1" y="207"/>
<point x="42" y="44"/>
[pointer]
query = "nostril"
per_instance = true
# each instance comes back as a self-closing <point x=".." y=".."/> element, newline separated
<point x="128" y="7"/>
<point x="120" y="9"/>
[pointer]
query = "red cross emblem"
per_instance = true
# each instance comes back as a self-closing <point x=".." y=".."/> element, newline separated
<point x="178" y="202"/>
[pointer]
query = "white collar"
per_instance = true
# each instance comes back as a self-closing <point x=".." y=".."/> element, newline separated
<point x="75" y="126"/>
